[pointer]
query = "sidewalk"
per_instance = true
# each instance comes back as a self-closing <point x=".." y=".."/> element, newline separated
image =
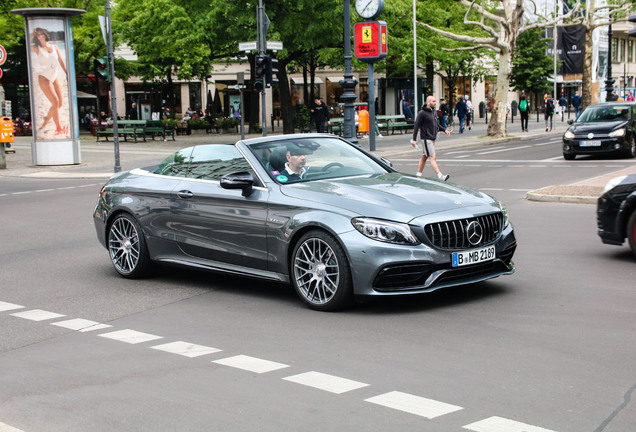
<point x="98" y="157"/>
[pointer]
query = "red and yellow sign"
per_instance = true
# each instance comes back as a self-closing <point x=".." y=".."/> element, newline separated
<point x="6" y="130"/>
<point x="370" y="41"/>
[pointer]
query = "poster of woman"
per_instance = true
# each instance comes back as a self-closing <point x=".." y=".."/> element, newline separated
<point x="51" y="111"/>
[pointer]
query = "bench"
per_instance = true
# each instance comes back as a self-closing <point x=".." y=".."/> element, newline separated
<point x="156" y="128"/>
<point x="125" y="128"/>
<point x="402" y="126"/>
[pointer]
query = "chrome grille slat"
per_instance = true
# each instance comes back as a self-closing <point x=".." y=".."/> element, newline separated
<point x="451" y="235"/>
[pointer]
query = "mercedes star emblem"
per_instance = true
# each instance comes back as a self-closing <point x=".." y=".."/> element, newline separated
<point x="474" y="232"/>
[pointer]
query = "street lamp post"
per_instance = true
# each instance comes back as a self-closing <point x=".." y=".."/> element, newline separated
<point x="348" y="83"/>
<point x="609" y="82"/>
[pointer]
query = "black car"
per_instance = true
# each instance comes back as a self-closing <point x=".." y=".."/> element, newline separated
<point x="606" y="128"/>
<point x="616" y="212"/>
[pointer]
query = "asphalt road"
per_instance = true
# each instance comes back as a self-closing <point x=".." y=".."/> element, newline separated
<point x="550" y="348"/>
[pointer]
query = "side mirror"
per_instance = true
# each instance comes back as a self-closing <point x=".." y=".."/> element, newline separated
<point x="386" y="161"/>
<point x="240" y="180"/>
<point x="570" y="122"/>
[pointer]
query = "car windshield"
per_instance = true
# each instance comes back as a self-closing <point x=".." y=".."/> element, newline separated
<point x="601" y="113"/>
<point x="317" y="158"/>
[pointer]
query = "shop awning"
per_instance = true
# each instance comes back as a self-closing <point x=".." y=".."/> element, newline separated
<point x="298" y="80"/>
<point x="335" y="80"/>
<point x="84" y="95"/>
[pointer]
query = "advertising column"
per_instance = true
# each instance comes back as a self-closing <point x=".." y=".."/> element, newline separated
<point x="52" y="89"/>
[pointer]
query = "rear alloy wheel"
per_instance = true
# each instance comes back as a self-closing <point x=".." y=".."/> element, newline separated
<point x="320" y="272"/>
<point x="631" y="231"/>
<point x="127" y="247"/>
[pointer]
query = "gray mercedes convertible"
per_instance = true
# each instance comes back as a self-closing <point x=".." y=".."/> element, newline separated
<point x="312" y="210"/>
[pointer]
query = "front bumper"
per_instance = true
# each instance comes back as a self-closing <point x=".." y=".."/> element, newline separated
<point x="576" y="146"/>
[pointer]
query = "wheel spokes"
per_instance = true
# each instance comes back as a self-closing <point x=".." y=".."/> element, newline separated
<point x="316" y="271"/>
<point x="123" y="244"/>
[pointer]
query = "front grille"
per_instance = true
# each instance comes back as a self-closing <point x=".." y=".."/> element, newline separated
<point x="453" y="235"/>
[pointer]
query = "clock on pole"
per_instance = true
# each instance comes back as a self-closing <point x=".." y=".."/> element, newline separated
<point x="369" y="9"/>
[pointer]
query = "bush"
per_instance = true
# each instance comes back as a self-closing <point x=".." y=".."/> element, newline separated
<point x="169" y="124"/>
<point x="197" y="123"/>
<point x="227" y="123"/>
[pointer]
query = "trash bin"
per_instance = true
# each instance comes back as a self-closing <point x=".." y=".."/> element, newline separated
<point x="6" y="134"/>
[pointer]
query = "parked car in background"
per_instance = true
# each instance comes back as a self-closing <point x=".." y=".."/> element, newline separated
<point x="347" y="226"/>
<point x="616" y="212"/>
<point x="605" y="128"/>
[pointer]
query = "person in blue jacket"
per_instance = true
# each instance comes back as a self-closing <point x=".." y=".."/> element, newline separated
<point x="460" y="111"/>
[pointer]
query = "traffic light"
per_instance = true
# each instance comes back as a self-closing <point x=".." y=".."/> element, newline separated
<point x="271" y="73"/>
<point x="101" y="68"/>
<point x="259" y="72"/>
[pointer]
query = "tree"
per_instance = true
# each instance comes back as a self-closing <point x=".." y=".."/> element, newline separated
<point x="531" y="66"/>
<point x="502" y="26"/>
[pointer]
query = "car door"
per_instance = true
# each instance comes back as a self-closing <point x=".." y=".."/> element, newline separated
<point x="217" y="224"/>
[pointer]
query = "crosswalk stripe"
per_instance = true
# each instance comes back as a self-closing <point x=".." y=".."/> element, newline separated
<point x="251" y="364"/>
<point x="326" y="382"/>
<point x="500" y="424"/>
<point x="412" y="404"/>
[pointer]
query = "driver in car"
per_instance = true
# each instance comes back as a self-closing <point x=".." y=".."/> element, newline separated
<point x="296" y="160"/>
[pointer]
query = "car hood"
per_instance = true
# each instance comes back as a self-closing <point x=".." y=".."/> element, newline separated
<point x="602" y="128"/>
<point x="392" y="196"/>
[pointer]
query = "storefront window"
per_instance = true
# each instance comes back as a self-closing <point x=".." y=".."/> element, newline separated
<point x="195" y="95"/>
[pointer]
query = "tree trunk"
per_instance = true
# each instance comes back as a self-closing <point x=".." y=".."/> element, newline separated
<point x="586" y="83"/>
<point x="286" y="110"/>
<point x="497" y="125"/>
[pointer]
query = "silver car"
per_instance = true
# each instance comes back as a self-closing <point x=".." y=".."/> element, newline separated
<point x="312" y="210"/>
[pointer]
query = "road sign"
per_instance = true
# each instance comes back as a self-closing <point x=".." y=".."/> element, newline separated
<point x="247" y="46"/>
<point x="274" y="45"/>
<point x="3" y="55"/>
<point x="370" y="40"/>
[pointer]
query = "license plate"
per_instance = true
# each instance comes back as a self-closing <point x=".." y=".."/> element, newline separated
<point x="473" y="256"/>
<point x="590" y="143"/>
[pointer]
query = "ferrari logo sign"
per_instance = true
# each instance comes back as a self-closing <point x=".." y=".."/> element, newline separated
<point x="370" y="40"/>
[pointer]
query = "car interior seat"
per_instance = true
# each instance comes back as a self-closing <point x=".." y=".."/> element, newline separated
<point x="277" y="159"/>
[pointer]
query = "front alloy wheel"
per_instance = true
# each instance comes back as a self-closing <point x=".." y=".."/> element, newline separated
<point x="320" y="272"/>
<point x="127" y="247"/>
<point x="631" y="150"/>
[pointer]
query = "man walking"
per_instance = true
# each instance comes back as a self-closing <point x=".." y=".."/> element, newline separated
<point x="320" y="113"/>
<point x="460" y="111"/>
<point x="563" y="103"/>
<point x="549" y="112"/>
<point x="524" y="109"/>
<point x="427" y="125"/>
<point x="576" y="103"/>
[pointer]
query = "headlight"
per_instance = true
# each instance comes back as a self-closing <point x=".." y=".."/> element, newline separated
<point x="385" y="231"/>
<point x="617" y="133"/>
<point x="568" y="135"/>
<point x="613" y="183"/>
<point x="504" y="212"/>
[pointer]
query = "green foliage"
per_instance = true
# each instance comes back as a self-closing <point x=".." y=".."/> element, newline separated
<point x="531" y="66"/>
<point x="198" y="123"/>
<point x="169" y="124"/>
<point x="227" y="123"/>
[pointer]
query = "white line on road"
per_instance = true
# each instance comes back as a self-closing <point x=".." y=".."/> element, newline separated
<point x="80" y="324"/>
<point x="4" y="306"/>
<point x="505" y="149"/>
<point x="37" y="315"/>
<point x="130" y="336"/>
<point x="251" y="364"/>
<point x="499" y="424"/>
<point x="326" y="382"/>
<point x="412" y="404"/>
<point x="186" y="349"/>
<point x="6" y="428"/>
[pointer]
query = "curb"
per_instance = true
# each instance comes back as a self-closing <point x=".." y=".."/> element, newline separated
<point x="533" y="196"/>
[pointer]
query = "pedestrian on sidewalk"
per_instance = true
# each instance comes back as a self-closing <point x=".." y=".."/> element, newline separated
<point x="524" y="110"/>
<point x="469" y="112"/>
<point x="460" y="111"/>
<point x="563" y="103"/>
<point x="549" y="112"/>
<point x="427" y="125"/>
<point x="320" y="114"/>
<point x="444" y="109"/>
<point x="576" y="103"/>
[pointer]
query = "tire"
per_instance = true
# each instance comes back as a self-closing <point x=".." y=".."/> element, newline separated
<point x="631" y="151"/>
<point x="631" y="231"/>
<point x="320" y="272"/>
<point x="568" y="156"/>
<point x="127" y="247"/>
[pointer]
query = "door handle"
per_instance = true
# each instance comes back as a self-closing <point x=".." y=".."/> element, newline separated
<point x="185" y="194"/>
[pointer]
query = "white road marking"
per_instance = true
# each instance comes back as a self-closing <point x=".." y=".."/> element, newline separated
<point x="37" y="315"/>
<point x="80" y="324"/>
<point x="251" y="364"/>
<point x="96" y="327"/>
<point x="326" y="382"/>
<point x="4" y="306"/>
<point x="6" y="428"/>
<point x="417" y="405"/>
<point x="186" y="349"/>
<point x="499" y="424"/>
<point x="130" y="336"/>
<point x="503" y="150"/>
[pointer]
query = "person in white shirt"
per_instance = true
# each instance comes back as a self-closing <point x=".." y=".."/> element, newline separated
<point x="469" y="112"/>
